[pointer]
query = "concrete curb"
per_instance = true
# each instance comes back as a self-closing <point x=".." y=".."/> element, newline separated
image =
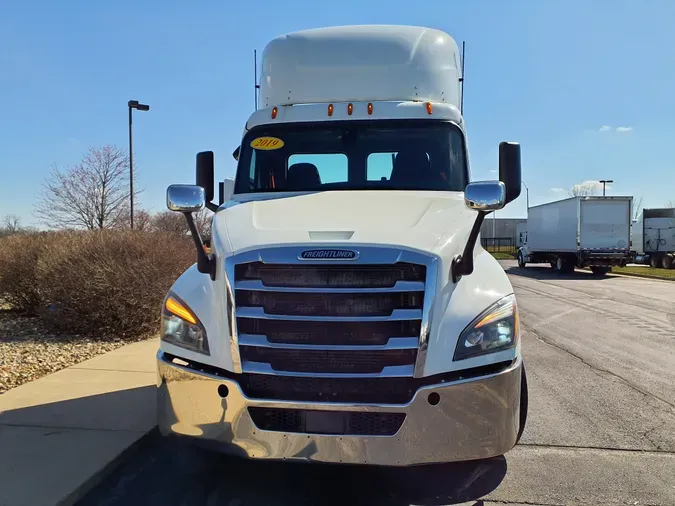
<point x="643" y="276"/>
<point x="73" y="427"/>
<point x="136" y="448"/>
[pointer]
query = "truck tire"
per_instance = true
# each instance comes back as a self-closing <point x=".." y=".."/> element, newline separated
<point x="523" y="404"/>
<point x="654" y="261"/>
<point x="600" y="270"/>
<point x="563" y="265"/>
<point x="521" y="260"/>
<point x="667" y="262"/>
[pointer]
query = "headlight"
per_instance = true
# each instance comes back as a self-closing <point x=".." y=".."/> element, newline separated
<point x="495" y="329"/>
<point x="181" y="327"/>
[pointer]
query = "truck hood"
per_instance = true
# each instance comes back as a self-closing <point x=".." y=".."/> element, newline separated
<point x="420" y="220"/>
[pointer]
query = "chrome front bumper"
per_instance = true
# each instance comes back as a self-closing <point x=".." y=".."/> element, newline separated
<point x="475" y="419"/>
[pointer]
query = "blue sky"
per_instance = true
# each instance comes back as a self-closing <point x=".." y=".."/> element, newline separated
<point x="586" y="86"/>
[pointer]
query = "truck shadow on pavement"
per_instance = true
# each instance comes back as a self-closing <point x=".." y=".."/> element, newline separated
<point x="177" y="472"/>
<point x="545" y="272"/>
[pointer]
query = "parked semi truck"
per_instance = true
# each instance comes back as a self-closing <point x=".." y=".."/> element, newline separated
<point x="579" y="232"/>
<point x="653" y="237"/>
<point x="346" y="312"/>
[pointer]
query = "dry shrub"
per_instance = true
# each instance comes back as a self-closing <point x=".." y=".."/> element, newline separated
<point x="105" y="283"/>
<point x="19" y="255"/>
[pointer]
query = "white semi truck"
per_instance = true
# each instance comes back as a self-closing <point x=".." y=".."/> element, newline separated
<point x="653" y="237"/>
<point x="345" y="311"/>
<point x="579" y="232"/>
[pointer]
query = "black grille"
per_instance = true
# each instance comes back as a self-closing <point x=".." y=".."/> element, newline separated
<point x="361" y="390"/>
<point x="330" y="304"/>
<point x="328" y="333"/>
<point x="335" y="276"/>
<point x="328" y="361"/>
<point x="326" y="422"/>
<point x="303" y="388"/>
<point x="334" y="292"/>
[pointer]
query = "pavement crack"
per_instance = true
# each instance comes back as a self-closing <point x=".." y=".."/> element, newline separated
<point x="596" y="448"/>
<point x="634" y="319"/>
<point x="647" y="434"/>
<point x="481" y="502"/>
<point x="599" y="371"/>
<point x="644" y="302"/>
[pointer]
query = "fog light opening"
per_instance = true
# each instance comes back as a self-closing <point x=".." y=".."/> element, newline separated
<point x="434" y="398"/>
<point x="223" y="391"/>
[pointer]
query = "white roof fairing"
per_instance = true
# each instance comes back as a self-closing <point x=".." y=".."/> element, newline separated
<point x="361" y="64"/>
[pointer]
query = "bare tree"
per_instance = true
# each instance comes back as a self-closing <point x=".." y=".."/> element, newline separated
<point x="637" y="208"/>
<point x="670" y="203"/>
<point x="175" y="223"/>
<point x="203" y="221"/>
<point x="142" y="220"/>
<point x="93" y="194"/>
<point x="11" y="224"/>
<point x="585" y="189"/>
<point x="169" y="221"/>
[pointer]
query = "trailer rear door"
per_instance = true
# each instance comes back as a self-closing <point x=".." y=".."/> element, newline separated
<point x="605" y="223"/>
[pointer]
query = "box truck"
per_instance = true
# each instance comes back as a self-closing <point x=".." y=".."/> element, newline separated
<point x="579" y="232"/>
<point x="345" y="312"/>
<point x="653" y="237"/>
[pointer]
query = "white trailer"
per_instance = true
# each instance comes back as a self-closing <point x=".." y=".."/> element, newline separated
<point x="653" y="237"/>
<point x="579" y="232"/>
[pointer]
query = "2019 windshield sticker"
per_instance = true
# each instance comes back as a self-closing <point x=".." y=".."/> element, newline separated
<point x="267" y="143"/>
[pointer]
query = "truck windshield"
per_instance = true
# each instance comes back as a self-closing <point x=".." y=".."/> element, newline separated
<point x="397" y="155"/>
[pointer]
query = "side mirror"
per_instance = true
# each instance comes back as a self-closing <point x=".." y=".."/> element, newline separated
<point x="185" y="198"/>
<point x="509" y="169"/>
<point x="485" y="196"/>
<point x="204" y="176"/>
<point x="188" y="199"/>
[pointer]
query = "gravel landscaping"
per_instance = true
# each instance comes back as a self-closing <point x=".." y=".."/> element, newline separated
<point x="27" y="352"/>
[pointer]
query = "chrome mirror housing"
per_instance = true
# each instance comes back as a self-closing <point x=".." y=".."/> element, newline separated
<point x="185" y="198"/>
<point x="485" y="196"/>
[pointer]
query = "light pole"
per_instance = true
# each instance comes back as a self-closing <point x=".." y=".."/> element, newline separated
<point x="604" y="182"/>
<point x="527" y="196"/>
<point x="133" y="104"/>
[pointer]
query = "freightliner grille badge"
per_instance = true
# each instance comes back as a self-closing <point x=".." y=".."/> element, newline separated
<point x="328" y="254"/>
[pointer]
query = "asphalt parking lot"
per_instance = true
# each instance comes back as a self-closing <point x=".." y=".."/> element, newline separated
<point x="600" y="356"/>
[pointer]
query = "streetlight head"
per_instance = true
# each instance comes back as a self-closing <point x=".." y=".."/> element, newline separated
<point x="134" y="104"/>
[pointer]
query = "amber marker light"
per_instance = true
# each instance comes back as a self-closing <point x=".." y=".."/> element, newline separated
<point x="178" y="309"/>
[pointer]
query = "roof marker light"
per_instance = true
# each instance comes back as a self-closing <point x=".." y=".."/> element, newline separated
<point x="350" y="109"/>
<point x="330" y="109"/>
<point x="274" y="112"/>
<point x="429" y="109"/>
<point x="370" y="108"/>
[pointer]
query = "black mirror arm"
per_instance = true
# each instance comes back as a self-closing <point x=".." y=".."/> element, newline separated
<point x="462" y="265"/>
<point x="211" y="206"/>
<point x="206" y="264"/>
